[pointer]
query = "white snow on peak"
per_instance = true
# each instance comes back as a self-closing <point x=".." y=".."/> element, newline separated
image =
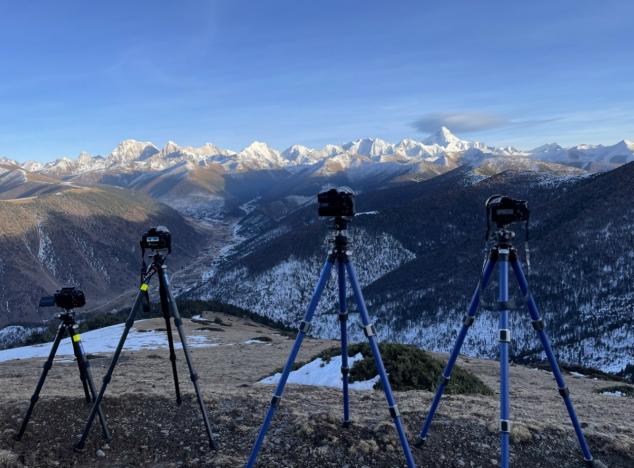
<point x="132" y="150"/>
<point x="440" y="151"/>
<point x="442" y="137"/>
<point x="258" y="155"/>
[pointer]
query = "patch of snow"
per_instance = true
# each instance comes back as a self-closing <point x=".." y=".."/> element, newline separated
<point x="256" y="342"/>
<point x="105" y="340"/>
<point x="323" y="374"/>
<point x="615" y="393"/>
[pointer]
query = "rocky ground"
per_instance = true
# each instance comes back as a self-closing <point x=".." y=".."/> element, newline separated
<point x="149" y="429"/>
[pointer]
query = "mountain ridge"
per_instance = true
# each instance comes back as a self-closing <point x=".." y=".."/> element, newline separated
<point x="144" y="155"/>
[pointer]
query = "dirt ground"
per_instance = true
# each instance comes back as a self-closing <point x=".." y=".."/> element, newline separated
<point x="149" y="429"/>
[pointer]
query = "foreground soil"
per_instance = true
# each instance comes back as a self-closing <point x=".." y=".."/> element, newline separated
<point x="149" y="429"/>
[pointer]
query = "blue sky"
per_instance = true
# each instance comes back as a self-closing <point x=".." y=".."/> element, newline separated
<point x="77" y="75"/>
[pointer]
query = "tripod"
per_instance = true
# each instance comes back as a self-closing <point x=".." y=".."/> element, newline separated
<point x="168" y="307"/>
<point x="338" y="256"/>
<point x="504" y="253"/>
<point x="67" y="327"/>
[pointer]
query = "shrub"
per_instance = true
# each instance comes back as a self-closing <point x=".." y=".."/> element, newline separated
<point x="409" y="368"/>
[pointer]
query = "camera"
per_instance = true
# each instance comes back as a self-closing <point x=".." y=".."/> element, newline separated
<point x="157" y="238"/>
<point x="336" y="202"/>
<point x="504" y="211"/>
<point x="65" y="298"/>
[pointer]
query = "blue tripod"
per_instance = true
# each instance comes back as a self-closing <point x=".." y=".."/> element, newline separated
<point x="339" y="256"/>
<point x="504" y="253"/>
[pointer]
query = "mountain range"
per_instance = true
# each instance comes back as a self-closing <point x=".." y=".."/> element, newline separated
<point x="245" y="227"/>
<point x="440" y="148"/>
<point x="208" y="180"/>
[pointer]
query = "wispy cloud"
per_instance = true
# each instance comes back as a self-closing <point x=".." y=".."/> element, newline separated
<point x="465" y="122"/>
<point x="459" y="121"/>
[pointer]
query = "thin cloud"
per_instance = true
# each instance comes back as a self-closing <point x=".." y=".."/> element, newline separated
<point x="465" y="122"/>
<point x="459" y="121"/>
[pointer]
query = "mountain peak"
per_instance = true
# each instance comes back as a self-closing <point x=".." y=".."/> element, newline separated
<point x="132" y="150"/>
<point x="442" y="137"/>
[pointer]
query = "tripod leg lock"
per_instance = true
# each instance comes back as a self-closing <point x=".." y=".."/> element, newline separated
<point x="505" y="425"/>
<point x="505" y="335"/>
<point x="178" y="321"/>
<point x="275" y="401"/>
<point x="442" y="380"/>
<point x="369" y="330"/>
<point x="345" y="370"/>
<point x="538" y="325"/>
<point x="468" y="320"/>
<point x="343" y="317"/>
<point x="304" y="327"/>
<point x="564" y="392"/>
<point x="506" y="305"/>
<point x="394" y="412"/>
<point x="193" y="376"/>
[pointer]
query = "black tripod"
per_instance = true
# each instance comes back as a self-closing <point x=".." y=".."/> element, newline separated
<point x="67" y="327"/>
<point x="504" y="255"/>
<point x="339" y="255"/>
<point x="168" y="307"/>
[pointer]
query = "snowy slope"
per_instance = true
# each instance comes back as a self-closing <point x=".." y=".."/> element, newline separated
<point x="104" y="340"/>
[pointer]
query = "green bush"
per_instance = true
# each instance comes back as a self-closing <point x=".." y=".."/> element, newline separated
<point x="409" y="368"/>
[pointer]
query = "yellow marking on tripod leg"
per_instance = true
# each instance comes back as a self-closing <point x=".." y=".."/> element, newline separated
<point x="144" y="287"/>
<point x="77" y="338"/>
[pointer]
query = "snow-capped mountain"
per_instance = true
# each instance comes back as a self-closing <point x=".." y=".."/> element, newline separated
<point x="443" y="149"/>
<point x="589" y="157"/>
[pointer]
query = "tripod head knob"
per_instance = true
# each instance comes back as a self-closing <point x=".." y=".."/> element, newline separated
<point x="503" y="235"/>
<point x="340" y="224"/>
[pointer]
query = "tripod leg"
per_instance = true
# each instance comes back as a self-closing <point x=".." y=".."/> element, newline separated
<point x="304" y="328"/>
<point x="505" y="341"/>
<point x="538" y="325"/>
<point x="82" y="375"/>
<point x="36" y="394"/>
<point x="446" y="373"/>
<point x="343" y="320"/>
<point x="84" y="372"/>
<point x="370" y="333"/>
<point x="170" y="339"/>
<point x="192" y="372"/>
<point x="106" y="380"/>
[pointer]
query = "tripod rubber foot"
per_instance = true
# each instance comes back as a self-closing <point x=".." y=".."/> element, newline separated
<point x="596" y="464"/>
<point x="419" y="442"/>
<point x="79" y="448"/>
<point x="346" y="424"/>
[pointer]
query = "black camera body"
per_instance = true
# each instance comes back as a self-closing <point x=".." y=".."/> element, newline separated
<point x="336" y="203"/>
<point x="65" y="298"/>
<point x="503" y="210"/>
<point x="157" y="238"/>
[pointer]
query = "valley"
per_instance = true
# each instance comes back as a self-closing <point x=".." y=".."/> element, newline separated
<point x="247" y="234"/>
